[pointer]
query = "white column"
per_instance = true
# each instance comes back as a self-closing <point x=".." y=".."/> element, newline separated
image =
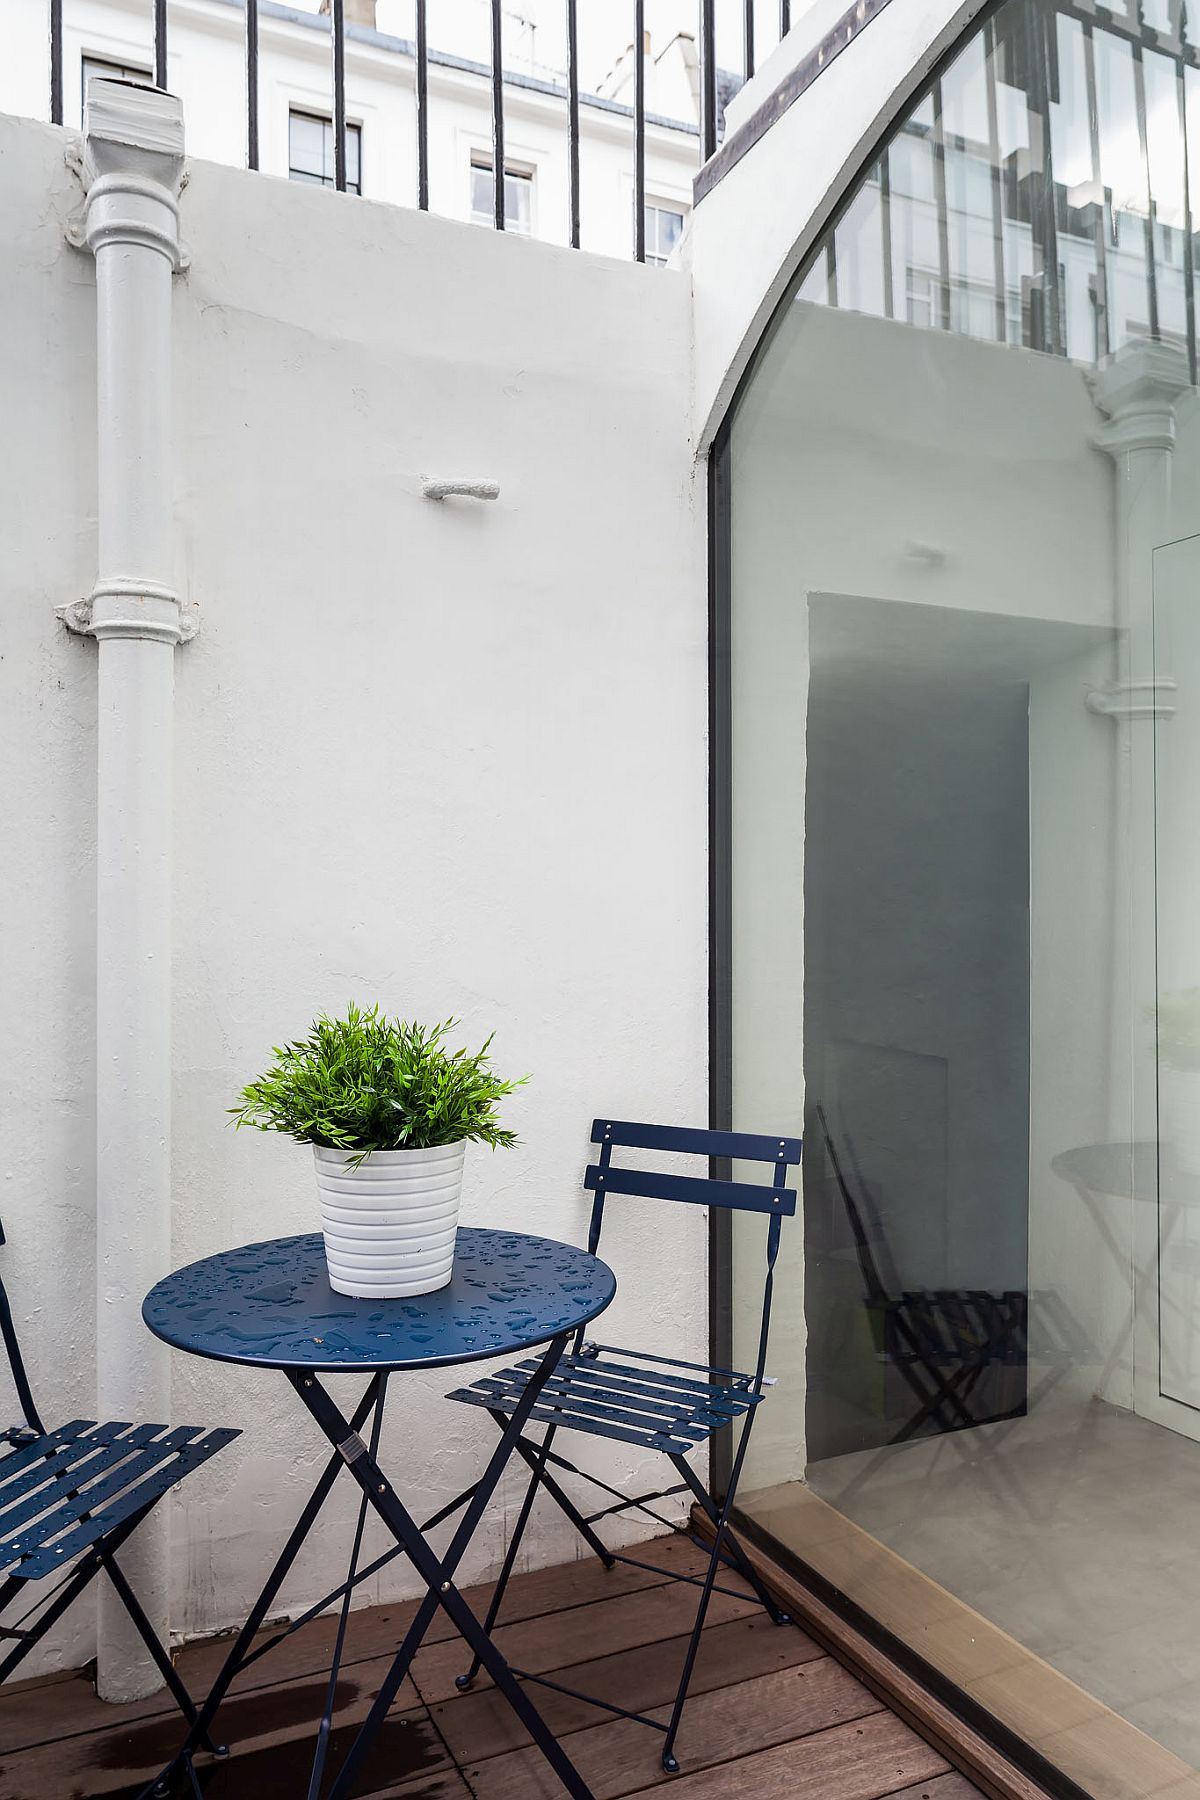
<point x="133" y="169"/>
<point x="1138" y="389"/>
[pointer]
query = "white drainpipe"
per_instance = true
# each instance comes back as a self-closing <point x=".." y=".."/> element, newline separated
<point x="133" y="167"/>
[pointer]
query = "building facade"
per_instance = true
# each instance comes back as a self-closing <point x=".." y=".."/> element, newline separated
<point x="206" y="67"/>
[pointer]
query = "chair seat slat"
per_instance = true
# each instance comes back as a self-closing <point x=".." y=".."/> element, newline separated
<point x="590" y="1406"/>
<point x="738" y="1389"/>
<point x="732" y="1377"/>
<point x="70" y="1506"/>
<point x="626" y="1400"/>
<point x="719" y="1403"/>
<point x="558" y="1415"/>
<point x="60" y="1457"/>
<point x="25" y="1448"/>
<point x="54" y="1556"/>
<point x="71" y="1477"/>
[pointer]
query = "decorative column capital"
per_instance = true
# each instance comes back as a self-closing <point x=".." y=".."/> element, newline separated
<point x="132" y="168"/>
<point x="1137" y="389"/>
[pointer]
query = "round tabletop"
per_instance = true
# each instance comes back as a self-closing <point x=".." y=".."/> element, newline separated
<point x="271" y="1304"/>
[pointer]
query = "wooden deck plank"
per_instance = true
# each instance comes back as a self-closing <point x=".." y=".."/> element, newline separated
<point x="622" y="1757"/>
<point x="482" y="1724"/>
<point x="771" y="1713"/>
<point x="48" y="1713"/>
<point x="271" y="1734"/>
<point x="554" y="1641"/>
<point x="942" y="1787"/>
<point x="34" y="1713"/>
<point x="445" y="1784"/>
<point x="867" y="1760"/>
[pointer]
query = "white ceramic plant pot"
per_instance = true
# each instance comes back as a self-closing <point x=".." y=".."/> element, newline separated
<point x="390" y="1223"/>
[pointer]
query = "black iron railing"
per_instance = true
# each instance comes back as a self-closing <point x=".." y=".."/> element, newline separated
<point x="715" y="86"/>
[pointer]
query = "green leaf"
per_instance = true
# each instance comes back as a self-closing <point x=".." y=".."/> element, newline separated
<point x="366" y="1082"/>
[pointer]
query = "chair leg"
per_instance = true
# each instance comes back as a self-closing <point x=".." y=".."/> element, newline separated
<point x="529" y="1455"/>
<point x="720" y="1523"/>
<point x="731" y="1552"/>
<point x="85" y="1572"/>
<point x="669" y="1761"/>
<point x="463" y="1682"/>
<point x="157" y="1648"/>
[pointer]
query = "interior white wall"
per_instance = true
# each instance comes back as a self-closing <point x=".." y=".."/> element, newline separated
<point x="451" y="757"/>
<point x="872" y="459"/>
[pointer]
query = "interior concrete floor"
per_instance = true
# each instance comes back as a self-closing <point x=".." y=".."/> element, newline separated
<point x="1074" y="1529"/>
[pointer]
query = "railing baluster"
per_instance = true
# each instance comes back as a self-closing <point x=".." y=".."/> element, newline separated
<point x="639" y="130"/>
<point x="785" y="17"/>
<point x="498" y="114"/>
<point x="160" y="43"/>
<point x="748" y="37"/>
<point x="56" y="64"/>
<point x="337" y="19"/>
<point x="422" y="107"/>
<point x="252" y="84"/>
<point x="708" y="79"/>
<point x="573" y="117"/>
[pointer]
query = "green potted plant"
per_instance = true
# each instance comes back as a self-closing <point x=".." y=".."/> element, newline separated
<point x="389" y="1111"/>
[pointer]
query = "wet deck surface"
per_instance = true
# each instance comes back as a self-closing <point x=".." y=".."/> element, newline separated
<point x="771" y="1715"/>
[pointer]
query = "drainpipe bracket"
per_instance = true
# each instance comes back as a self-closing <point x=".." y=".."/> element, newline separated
<point x="132" y="609"/>
<point x="131" y="169"/>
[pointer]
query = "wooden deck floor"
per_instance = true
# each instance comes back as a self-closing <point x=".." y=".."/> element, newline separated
<point x="771" y="1716"/>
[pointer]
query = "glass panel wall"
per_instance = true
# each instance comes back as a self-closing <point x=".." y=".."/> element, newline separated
<point x="963" y="782"/>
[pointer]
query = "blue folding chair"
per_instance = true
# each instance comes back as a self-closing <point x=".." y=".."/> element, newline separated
<point x="70" y="1498"/>
<point x="653" y="1402"/>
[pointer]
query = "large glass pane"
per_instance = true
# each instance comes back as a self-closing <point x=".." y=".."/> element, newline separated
<point x="964" y="949"/>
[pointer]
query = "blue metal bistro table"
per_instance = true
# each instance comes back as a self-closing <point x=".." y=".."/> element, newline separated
<point x="271" y="1306"/>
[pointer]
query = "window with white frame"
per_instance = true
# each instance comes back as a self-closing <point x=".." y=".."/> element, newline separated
<point x="518" y="195"/>
<point x="111" y="71"/>
<point x="311" y="153"/>
<point x="664" y="228"/>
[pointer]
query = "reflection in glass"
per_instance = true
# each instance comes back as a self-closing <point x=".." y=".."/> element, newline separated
<point x="964" y="555"/>
<point x="1038" y="195"/>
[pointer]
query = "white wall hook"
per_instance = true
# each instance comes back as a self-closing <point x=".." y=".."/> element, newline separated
<point x="464" y="490"/>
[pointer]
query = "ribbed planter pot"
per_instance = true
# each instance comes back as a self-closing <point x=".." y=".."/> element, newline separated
<point x="390" y="1223"/>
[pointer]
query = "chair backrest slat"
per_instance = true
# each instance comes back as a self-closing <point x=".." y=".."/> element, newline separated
<point x="656" y="1184"/>
<point x="741" y="1146"/>
<point x="774" y="1200"/>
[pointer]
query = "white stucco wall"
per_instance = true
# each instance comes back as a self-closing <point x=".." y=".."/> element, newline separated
<point x="450" y="757"/>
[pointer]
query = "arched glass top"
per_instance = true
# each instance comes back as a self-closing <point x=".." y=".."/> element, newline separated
<point x="1041" y="192"/>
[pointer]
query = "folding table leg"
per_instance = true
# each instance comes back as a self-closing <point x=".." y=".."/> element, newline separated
<point x="326" y="1725"/>
<point x="437" y="1573"/>
<point x="258" y="1612"/>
